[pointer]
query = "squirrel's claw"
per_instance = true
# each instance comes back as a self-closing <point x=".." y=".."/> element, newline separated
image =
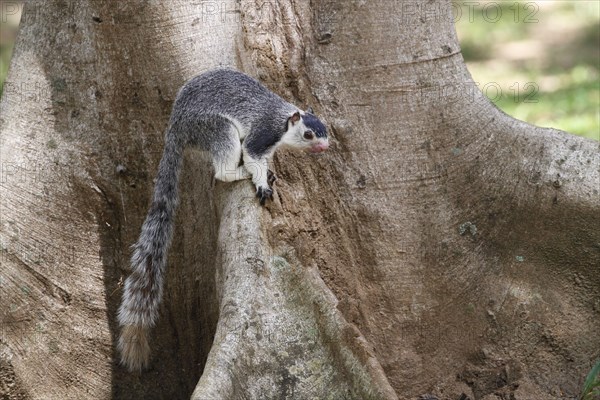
<point x="264" y="193"/>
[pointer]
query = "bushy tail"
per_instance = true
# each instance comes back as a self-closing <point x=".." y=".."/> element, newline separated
<point x="143" y="288"/>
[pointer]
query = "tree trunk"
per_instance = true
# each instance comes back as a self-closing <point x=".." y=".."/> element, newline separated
<point x="440" y="247"/>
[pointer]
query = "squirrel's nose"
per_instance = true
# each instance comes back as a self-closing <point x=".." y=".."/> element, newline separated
<point x="320" y="146"/>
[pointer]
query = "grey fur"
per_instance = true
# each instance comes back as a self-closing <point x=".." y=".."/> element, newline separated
<point x="214" y="112"/>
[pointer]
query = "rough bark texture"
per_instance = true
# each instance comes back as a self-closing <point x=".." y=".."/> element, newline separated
<point x="441" y="247"/>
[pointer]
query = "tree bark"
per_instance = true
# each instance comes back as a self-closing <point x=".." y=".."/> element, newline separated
<point x="441" y="247"/>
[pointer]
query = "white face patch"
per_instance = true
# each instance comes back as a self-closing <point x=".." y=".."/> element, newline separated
<point x="302" y="137"/>
<point x="293" y="137"/>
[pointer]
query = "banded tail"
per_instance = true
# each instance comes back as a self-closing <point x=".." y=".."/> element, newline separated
<point x="143" y="289"/>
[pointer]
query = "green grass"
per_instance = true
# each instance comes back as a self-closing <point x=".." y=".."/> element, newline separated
<point x="9" y="22"/>
<point x="591" y="386"/>
<point x="572" y="107"/>
<point x="543" y="56"/>
<point x="5" y="53"/>
<point x="4" y="60"/>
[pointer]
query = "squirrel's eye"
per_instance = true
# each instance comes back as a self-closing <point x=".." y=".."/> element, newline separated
<point x="308" y="135"/>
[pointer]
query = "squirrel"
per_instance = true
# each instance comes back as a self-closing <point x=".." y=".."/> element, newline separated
<point x="233" y="117"/>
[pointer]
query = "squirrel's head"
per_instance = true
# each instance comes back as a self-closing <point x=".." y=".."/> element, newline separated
<point x="306" y="132"/>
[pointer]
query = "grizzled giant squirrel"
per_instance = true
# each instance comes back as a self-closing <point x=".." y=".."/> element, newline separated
<point x="233" y="117"/>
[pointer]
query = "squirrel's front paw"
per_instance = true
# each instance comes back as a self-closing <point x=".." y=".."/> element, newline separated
<point x="271" y="178"/>
<point x="263" y="193"/>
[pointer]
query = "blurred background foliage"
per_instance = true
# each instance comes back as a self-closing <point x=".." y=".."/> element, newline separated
<point x="538" y="61"/>
<point x="10" y="14"/>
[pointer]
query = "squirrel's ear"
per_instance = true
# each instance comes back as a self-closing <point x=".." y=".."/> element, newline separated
<point x="310" y="110"/>
<point x="294" y="118"/>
